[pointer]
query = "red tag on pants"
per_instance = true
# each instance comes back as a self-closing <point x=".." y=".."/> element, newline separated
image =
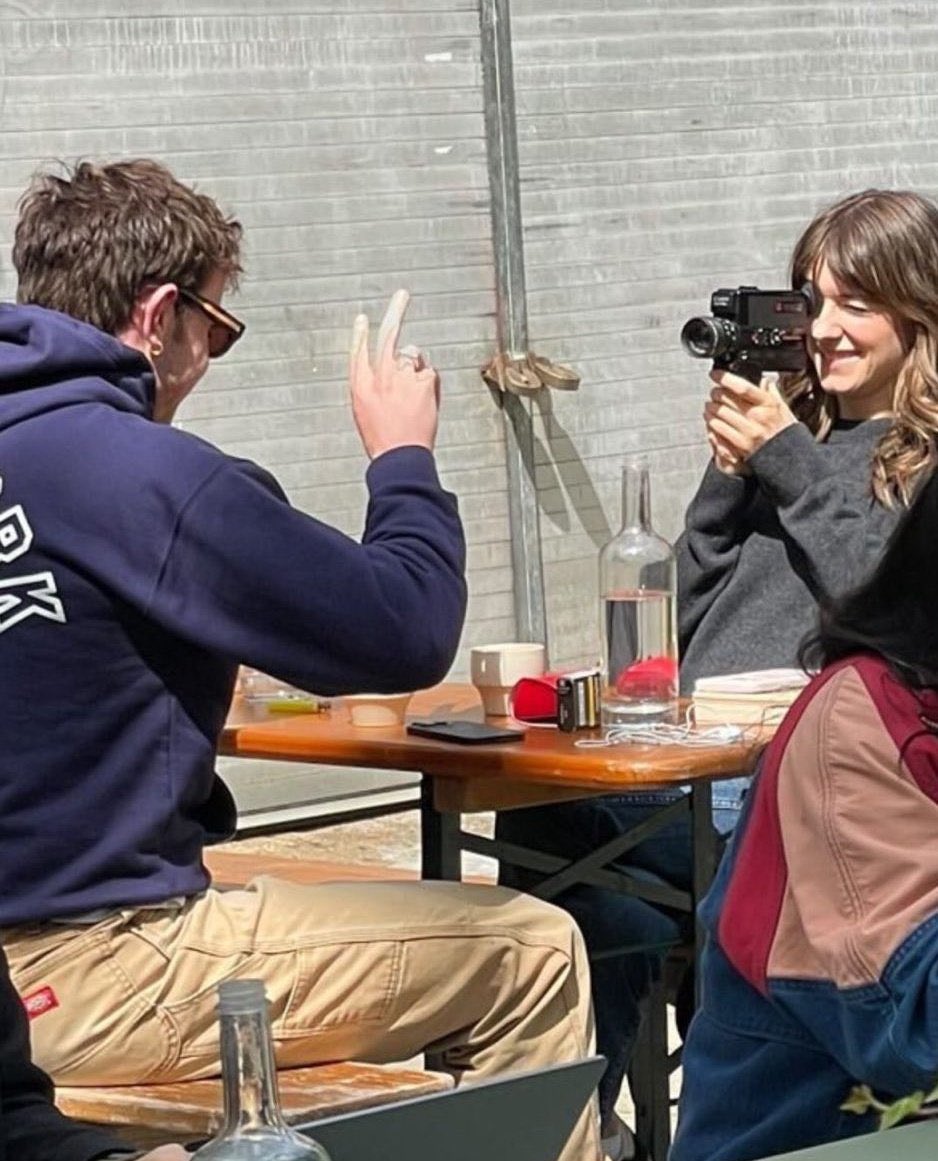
<point x="38" y="1003"/>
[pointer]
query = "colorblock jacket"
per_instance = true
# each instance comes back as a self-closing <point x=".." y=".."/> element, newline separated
<point x="138" y="566"/>
<point x="821" y="969"/>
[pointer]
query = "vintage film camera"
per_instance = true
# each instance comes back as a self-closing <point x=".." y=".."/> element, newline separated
<point x="752" y="331"/>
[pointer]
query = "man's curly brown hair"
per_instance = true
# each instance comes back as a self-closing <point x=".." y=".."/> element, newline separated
<point x="90" y="238"/>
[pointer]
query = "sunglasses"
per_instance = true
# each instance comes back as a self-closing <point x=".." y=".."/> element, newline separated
<point x="225" y="329"/>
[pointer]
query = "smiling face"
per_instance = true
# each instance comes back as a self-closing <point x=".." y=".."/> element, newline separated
<point x="858" y="350"/>
<point x="874" y="342"/>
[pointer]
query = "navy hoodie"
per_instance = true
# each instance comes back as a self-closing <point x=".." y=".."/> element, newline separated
<point x="138" y="566"/>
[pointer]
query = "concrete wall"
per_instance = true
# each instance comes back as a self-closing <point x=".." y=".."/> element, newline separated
<point x="666" y="147"/>
<point x="348" y="137"/>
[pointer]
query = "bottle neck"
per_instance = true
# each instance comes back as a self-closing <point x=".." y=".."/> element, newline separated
<point x="636" y="498"/>
<point x="249" y="1073"/>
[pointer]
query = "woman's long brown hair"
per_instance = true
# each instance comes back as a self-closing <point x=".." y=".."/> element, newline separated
<point x="882" y="245"/>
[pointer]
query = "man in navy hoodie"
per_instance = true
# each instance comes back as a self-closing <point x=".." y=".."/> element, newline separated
<point x="138" y="566"/>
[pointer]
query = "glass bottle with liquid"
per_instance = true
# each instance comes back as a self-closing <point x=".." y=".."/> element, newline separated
<point x="253" y="1127"/>
<point x="638" y="612"/>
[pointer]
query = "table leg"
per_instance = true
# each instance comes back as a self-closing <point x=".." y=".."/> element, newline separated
<point x="705" y="858"/>
<point x="440" y="856"/>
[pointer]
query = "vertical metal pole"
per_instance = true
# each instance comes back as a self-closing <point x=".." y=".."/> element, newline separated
<point x="511" y="304"/>
<point x="502" y="139"/>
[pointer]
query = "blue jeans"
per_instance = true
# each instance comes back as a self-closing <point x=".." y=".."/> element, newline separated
<point x="607" y="919"/>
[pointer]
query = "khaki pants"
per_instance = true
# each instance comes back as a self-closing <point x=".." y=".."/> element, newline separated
<point x="495" y="981"/>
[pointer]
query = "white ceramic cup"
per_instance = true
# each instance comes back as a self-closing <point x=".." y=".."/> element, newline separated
<point x="494" y="669"/>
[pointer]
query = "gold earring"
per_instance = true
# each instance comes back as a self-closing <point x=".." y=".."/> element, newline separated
<point x="156" y="348"/>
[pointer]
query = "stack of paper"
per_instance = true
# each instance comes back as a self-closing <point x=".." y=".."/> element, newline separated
<point x="760" y="697"/>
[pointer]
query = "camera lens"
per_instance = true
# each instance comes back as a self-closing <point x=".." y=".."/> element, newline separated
<point x="708" y="338"/>
<point x="700" y="337"/>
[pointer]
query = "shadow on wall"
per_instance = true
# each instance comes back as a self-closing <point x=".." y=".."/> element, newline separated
<point x="570" y="486"/>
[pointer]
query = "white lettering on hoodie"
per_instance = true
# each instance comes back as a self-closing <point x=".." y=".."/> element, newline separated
<point x="23" y="596"/>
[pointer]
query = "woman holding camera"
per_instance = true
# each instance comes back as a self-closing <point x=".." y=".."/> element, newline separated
<point x="807" y="479"/>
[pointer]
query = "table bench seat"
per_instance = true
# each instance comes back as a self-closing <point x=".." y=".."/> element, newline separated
<point x="147" y="1115"/>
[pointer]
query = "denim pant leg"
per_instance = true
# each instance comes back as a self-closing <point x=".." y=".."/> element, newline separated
<point x="607" y="919"/>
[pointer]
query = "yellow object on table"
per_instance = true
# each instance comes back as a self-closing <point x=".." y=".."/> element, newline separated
<point x="293" y="704"/>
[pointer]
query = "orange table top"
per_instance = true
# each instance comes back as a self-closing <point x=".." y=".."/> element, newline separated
<point x="546" y="757"/>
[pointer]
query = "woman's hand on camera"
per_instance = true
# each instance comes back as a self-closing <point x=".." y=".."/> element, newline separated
<point x="725" y="459"/>
<point x="395" y="399"/>
<point x="741" y="417"/>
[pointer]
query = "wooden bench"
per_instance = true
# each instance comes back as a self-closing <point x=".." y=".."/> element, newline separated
<point x="230" y="867"/>
<point x="147" y="1115"/>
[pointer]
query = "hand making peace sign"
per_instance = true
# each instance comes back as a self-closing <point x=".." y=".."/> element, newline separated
<point x="396" y="400"/>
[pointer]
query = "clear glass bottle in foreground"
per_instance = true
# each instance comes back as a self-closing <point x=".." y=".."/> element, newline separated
<point x="638" y="612"/>
<point x="253" y="1128"/>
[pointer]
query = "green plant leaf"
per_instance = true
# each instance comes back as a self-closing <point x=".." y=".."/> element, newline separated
<point x="900" y="1109"/>
<point x="860" y="1100"/>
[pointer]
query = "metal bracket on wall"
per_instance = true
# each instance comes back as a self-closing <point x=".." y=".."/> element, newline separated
<point x="529" y="374"/>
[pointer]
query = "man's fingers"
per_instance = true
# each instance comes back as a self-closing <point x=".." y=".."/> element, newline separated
<point x="167" y="1153"/>
<point x="391" y="327"/>
<point x="414" y="356"/>
<point x="358" y="353"/>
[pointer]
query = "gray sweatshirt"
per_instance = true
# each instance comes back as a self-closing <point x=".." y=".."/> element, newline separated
<point x="758" y="553"/>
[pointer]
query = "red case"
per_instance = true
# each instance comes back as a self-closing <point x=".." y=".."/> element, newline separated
<point x="534" y="699"/>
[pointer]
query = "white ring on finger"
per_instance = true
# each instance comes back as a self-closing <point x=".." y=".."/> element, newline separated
<point x="413" y="356"/>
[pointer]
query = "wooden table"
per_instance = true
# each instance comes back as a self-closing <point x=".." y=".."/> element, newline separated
<point x="547" y="766"/>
